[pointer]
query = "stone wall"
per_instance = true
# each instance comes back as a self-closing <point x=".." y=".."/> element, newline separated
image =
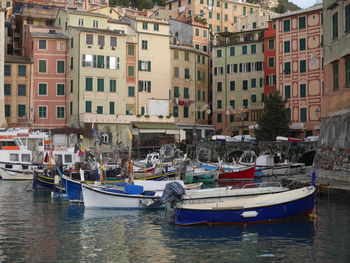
<point x="332" y="159"/>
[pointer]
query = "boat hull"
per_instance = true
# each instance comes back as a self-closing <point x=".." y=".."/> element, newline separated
<point x="242" y="174"/>
<point x="241" y="215"/>
<point x="8" y="174"/>
<point x="95" y="198"/>
<point x="280" y="170"/>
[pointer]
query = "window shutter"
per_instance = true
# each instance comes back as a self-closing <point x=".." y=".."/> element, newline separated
<point x="149" y="86"/>
<point x="95" y="61"/>
<point x="140" y="65"/>
<point x="149" y="65"/>
<point x="228" y="69"/>
<point x="84" y="59"/>
<point x="140" y="85"/>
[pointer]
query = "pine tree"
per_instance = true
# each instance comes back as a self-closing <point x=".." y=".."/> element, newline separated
<point x="274" y="121"/>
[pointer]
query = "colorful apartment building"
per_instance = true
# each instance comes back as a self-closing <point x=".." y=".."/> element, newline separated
<point x="221" y="15"/>
<point x="238" y="80"/>
<point x="299" y="68"/>
<point x="17" y="91"/>
<point x="270" y="58"/>
<point x="336" y="99"/>
<point x="2" y="60"/>
<point x="48" y="47"/>
<point x="189" y="94"/>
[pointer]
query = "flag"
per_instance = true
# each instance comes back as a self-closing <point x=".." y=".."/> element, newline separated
<point x="129" y="134"/>
<point x="47" y="158"/>
<point x="80" y="153"/>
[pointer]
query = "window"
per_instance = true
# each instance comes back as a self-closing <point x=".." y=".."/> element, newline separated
<point x="22" y="70"/>
<point x="203" y="96"/>
<point x="303" y="115"/>
<point x="100" y="61"/>
<point x="88" y="84"/>
<point x="217" y="16"/>
<point x="302" y="23"/>
<point x="232" y="104"/>
<point x="145" y="26"/>
<point x="232" y="51"/>
<point x="30" y="21"/>
<point x="347" y="71"/>
<point x="347" y="18"/>
<point x="42" y="44"/>
<point x="244" y="11"/>
<point x="302" y="64"/>
<point x="89" y="39"/>
<point x="271" y="62"/>
<point x="144" y="65"/>
<point x="253" y="98"/>
<point x="112" y="62"/>
<point x="144" y="86"/>
<point x="210" y="15"/>
<point x="245" y="84"/>
<point x="286" y="68"/>
<point x="71" y="86"/>
<point x="302" y="44"/>
<point x="88" y="106"/>
<point x="131" y="71"/>
<point x="287" y="92"/>
<point x="144" y="44"/>
<point x="131" y="91"/>
<point x="335" y="25"/>
<point x="60" y="66"/>
<point x="335" y="76"/>
<point x="253" y="83"/>
<point x="205" y="49"/>
<point x="21" y="110"/>
<point x="71" y="63"/>
<point x="81" y="22"/>
<point x="218" y="28"/>
<point x="7" y="110"/>
<point x="22" y="91"/>
<point x="156" y="27"/>
<point x="7" y="70"/>
<point x="112" y="85"/>
<point x="176" y="54"/>
<point x="60" y="112"/>
<point x="302" y="90"/>
<point x="254" y="25"/>
<point x="176" y="92"/>
<point x="219" y="118"/>
<point x="71" y="107"/>
<point x="197" y="46"/>
<point x="185" y="111"/>
<point x="95" y="23"/>
<point x="113" y="42"/>
<point x="42" y="66"/>
<point x="187" y="73"/>
<point x="198" y="95"/>
<point x="42" y="112"/>
<point x="286" y="25"/>
<point x="219" y="104"/>
<point x="219" y="53"/>
<point x="187" y="56"/>
<point x="100" y="84"/>
<point x="176" y="111"/>
<point x="226" y="5"/>
<point x="42" y="89"/>
<point x="176" y="72"/>
<point x="271" y="44"/>
<point x="7" y="89"/>
<point x="286" y="46"/>
<point x="232" y="85"/>
<point x="197" y="32"/>
<point x="186" y="93"/>
<point x="244" y="50"/>
<point x="14" y="157"/>
<point x="253" y="49"/>
<point x="131" y="50"/>
<point x="99" y="109"/>
<point x="111" y="107"/>
<point x="219" y="86"/>
<point x="261" y="82"/>
<point x="245" y="104"/>
<point x="205" y="33"/>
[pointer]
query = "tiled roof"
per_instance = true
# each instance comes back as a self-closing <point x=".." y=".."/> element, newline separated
<point x="56" y="35"/>
<point x="298" y="12"/>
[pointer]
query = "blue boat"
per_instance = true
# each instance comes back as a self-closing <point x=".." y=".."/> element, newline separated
<point x="260" y="209"/>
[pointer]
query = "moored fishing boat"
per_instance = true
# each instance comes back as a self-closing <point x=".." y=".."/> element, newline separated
<point x="236" y="172"/>
<point x="259" y="209"/>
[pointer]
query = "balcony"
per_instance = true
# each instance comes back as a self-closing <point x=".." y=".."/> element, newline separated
<point x="256" y="105"/>
<point x="121" y="119"/>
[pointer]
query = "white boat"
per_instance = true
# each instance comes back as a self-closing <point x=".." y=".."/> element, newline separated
<point x="22" y="150"/>
<point x="129" y="197"/>
<point x="267" y="165"/>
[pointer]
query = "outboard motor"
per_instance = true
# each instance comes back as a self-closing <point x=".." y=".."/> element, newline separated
<point x="172" y="193"/>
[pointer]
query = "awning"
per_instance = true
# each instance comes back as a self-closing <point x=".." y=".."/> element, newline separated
<point x="168" y="128"/>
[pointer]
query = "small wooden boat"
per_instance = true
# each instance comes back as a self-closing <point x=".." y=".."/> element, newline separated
<point x="260" y="209"/>
<point x="127" y="197"/>
<point x="200" y="175"/>
<point x="237" y="172"/>
<point x="24" y="172"/>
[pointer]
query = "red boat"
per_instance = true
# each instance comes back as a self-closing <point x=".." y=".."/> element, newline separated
<point x="237" y="173"/>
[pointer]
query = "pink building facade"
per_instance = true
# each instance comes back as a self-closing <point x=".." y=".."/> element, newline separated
<point x="299" y="70"/>
<point x="50" y="81"/>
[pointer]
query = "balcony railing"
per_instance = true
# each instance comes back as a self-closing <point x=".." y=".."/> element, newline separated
<point x="121" y="119"/>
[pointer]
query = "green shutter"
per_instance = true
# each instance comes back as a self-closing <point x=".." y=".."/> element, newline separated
<point x="94" y="58"/>
<point x="149" y="86"/>
<point x="100" y="84"/>
<point x="149" y="65"/>
<point x="302" y="90"/>
<point x="302" y="23"/>
<point x="139" y="64"/>
<point x="88" y="84"/>
<point x="140" y="86"/>
<point x="303" y="115"/>
<point x="287" y="92"/>
<point x="88" y="106"/>
<point x="302" y="66"/>
<point x="7" y="110"/>
<point x="302" y="44"/>
<point x="111" y="107"/>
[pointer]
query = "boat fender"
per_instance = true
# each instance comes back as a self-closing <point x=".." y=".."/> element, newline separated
<point x="248" y="214"/>
<point x="57" y="180"/>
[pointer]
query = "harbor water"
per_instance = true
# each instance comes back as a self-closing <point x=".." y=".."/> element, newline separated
<point x="37" y="228"/>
